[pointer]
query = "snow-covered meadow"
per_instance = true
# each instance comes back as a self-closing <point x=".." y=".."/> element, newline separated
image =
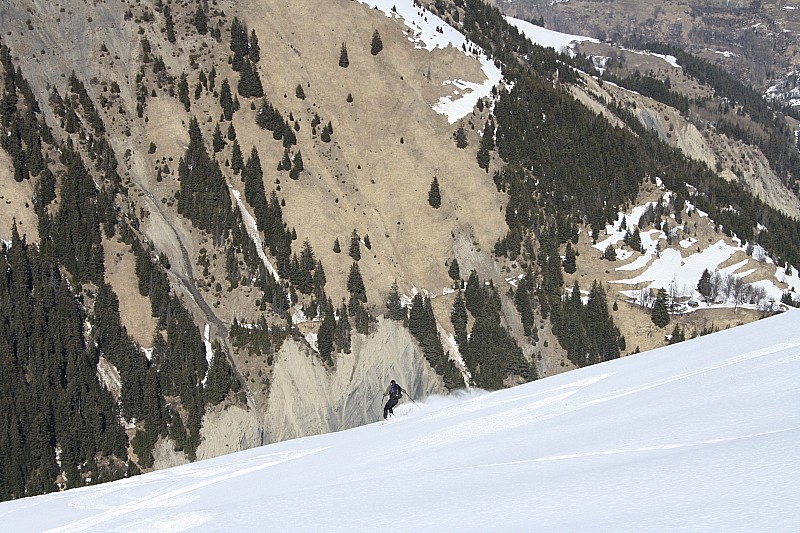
<point x="702" y="436"/>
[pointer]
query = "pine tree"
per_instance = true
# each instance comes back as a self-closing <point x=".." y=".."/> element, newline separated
<point x="355" y="246"/>
<point x="704" y="285"/>
<point x="659" y="314"/>
<point x="394" y="304"/>
<point x="170" y="25"/>
<point x="336" y="246"/>
<point x="569" y="260"/>
<point x="237" y="162"/>
<point x="454" y="272"/>
<point x="434" y="196"/>
<point x="460" y="137"/>
<point x="200" y="21"/>
<point x="326" y="333"/>
<point x="459" y="319"/>
<point x="226" y="100"/>
<point x="377" y="43"/>
<point x="183" y="92"/>
<point x="355" y="283"/>
<point x="217" y="141"/>
<point x="299" y="92"/>
<point x="255" y="50"/>
<point x="344" y="61"/>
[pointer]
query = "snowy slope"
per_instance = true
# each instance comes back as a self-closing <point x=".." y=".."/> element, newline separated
<point x="702" y="435"/>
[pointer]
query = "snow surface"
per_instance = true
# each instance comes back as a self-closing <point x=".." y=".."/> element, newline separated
<point x="702" y="435"/>
<point x="560" y="42"/>
<point x="429" y="31"/>
<point x="662" y="267"/>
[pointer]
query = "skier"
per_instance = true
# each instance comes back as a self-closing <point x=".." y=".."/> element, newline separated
<point x="394" y="392"/>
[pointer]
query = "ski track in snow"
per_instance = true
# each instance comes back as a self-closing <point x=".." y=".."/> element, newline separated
<point x="177" y="492"/>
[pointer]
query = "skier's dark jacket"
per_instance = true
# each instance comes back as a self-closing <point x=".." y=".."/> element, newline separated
<point x="395" y="391"/>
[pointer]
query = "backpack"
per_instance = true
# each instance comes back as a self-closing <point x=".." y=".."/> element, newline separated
<point x="395" y="392"/>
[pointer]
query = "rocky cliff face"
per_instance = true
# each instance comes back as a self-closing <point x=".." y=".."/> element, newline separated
<point x="306" y="398"/>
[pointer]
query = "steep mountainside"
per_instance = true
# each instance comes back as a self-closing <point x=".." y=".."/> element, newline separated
<point x="233" y="222"/>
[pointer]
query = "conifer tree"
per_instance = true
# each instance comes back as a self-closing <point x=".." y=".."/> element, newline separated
<point x="299" y="92"/>
<point x="569" y="260"/>
<point x="326" y="332"/>
<point x="226" y="100"/>
<point x="355" y="246"/>
<point x="170" y="25"/>
<point x="704" y="285"/>
<point x="336" y="246"/>
<point x="183" y="92"/>
<point x="453" y="271"/>
<point x="377" y="44"/>
<point x="396" y="311"/>
<point x="344" y="61"/>
<point x="200" y="21"/>
<point x="355" y="283"/>
<point x="434" y="197"/>
<point x="659" y="314"/>
<point x="459" y="319"/>
<point x="237" y="162"/>
<point x="460" y="137"/>
<point x="217" y="141"/>
<point x="254" y="51"/>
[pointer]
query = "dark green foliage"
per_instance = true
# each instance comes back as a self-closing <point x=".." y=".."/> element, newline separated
<point x="460" y="137"/>
<point x="454" y="271"/>
<point x="659" y="314"/>
<point x="422" y="324"/>
<point x="486" y="146"/>
<point x="633" y="239"/>
<point x="475" y="294"/>
<point x="249" y="81"/>
<point x="341" y="334"/>
<point x="237" y="162"/>
<point x="570" y="264"/>
<point x="377" y="44"/>
<point x="170" y="25"/>
<point x="336" y="246"/>
<point x="355" y="284"/>
<point x="434" y="196"/>
<point x="491" y="354"/>
<point x="326" y="332"/>
<point x="254" y="50"/>
<point x="183" y="92"/>
<point x="704" y="285"/>
<point x="344" y="61"/>
<point x="217" y="141"/>
<point x="269" y="118"/>
<point x="610" y="253"/>
<point x="226" y="100"/>
<point x="524" y="303"/>
<point x="49" y="393"/>
<point x="239" y="44"/>
<point x="355" y="246"/>
<point x="677" y="335"/>
<point x="299" y="92"/>
<point x="396" y="311"/>
<point x="76" y="227"/>
<point x="204" y="197"/>
<point x="221" y="379"/>
<point x="200" y="21"/>
<point x="586" y="331"/>
<point x="459" y="319"/>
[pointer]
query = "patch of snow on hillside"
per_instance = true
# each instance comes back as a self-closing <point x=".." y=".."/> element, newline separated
<point x="560" y="42"/>
<point x="252" y="231"/>
<point x="428" y="31"/>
